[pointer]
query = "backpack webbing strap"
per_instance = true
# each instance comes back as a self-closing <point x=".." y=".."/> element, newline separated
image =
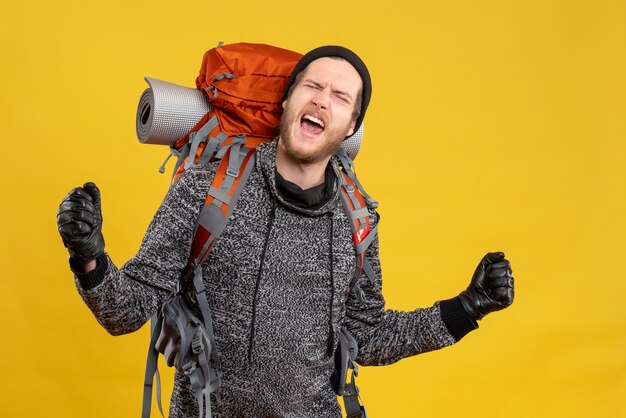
<point x="362" y="234"/>
<point x="348" y="169"/>
<point x="196" y="138"/>
<point x="173" y="153"/>
<point x="190" y="148"/>
<point x="351" y="399"/>
<point x="224" y="191"/>
<point x="212" y="379"/>
<point x="348" y="350"/>
<point x="200" y="376"/>
<point x="182" y="154"/>
<point x="369" y="271"/>
<point x="218" y="78"/>
<point x="214" y="143"/>
<point x="151" y="370"/>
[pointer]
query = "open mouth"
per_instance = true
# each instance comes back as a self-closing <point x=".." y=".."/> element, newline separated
<point x="311" y="124"/>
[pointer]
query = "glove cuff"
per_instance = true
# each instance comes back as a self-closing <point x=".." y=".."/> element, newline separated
<point x="92" y="278"/>
<point x="455" y="317"/>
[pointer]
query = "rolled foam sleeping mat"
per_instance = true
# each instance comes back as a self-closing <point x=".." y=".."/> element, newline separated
<point x="167" y="111"/>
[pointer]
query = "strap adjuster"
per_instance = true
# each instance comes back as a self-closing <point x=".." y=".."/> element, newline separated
<point x="196" y="344"/>
<point x="232" y="172"/>
<point x="189" y="368"/>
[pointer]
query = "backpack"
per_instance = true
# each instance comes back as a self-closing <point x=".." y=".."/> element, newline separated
<point x="243" y="85"/>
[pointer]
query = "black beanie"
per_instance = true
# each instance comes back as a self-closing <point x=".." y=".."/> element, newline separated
<point x="352" y="58"/>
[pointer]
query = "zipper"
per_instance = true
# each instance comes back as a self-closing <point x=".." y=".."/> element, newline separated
<point x="258" y="281"/>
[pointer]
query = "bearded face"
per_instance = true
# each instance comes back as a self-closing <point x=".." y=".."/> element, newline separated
<point x="318" y="114"/>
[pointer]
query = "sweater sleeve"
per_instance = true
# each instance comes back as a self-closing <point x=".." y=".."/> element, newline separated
<point x="123" y="299"/>
<point x="385" y="336"/>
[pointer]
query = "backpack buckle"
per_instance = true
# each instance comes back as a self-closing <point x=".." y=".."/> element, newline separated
<point x="232" y="172"/>
<point x="196" y="344"/>
<point x="189" y="368"/>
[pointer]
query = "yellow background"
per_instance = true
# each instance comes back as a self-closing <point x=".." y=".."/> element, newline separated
<point x="494" y="125"/>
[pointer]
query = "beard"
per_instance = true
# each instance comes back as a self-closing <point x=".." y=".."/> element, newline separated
<point x="330" y="143"/>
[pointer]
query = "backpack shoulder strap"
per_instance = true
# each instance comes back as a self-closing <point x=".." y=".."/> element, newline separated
<point x="356" y="203"/>
<point x="230" y="178"/>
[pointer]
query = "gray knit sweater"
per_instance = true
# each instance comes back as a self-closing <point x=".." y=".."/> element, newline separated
<point x="277" y="283"/>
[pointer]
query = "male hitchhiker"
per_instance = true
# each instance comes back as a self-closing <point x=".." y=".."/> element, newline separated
<point x="278" y="277"/>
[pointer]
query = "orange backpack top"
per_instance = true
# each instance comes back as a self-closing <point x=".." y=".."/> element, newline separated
<point x="244" y="83"/>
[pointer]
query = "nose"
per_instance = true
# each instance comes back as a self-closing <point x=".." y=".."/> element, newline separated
<point x="322" y="98"/>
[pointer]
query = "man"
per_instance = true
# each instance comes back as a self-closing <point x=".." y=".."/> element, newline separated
<point x="277" y="278"/>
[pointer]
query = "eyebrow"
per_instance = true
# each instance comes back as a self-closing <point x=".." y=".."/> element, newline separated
<point x="339" y="92"/>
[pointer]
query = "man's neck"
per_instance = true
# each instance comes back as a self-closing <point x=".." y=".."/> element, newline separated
<point x="304" y="175"/>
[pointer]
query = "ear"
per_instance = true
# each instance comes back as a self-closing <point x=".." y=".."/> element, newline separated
<point x="284" y="104"/>
<point x="351" y="128"/>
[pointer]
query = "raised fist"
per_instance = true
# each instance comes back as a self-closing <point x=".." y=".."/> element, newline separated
<point x="80" y="223"/>
<point x="491" y="288"/>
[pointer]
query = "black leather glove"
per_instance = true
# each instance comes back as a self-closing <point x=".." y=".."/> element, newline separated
<point x="491" y="288"/>
<point x="80" y="223"/>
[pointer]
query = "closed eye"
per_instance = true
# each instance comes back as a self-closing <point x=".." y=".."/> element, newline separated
<point x="342" y="97"/>
<point x="313" y="85"/>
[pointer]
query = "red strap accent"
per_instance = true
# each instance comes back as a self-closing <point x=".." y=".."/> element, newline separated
<point x="360" y="235"/>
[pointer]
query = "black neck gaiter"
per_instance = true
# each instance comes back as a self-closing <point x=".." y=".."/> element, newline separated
<point x="312" y="198"/>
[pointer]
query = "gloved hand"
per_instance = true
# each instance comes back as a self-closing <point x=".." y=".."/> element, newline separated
<point x="491" y="288"/>
<point x="80" y="223"/>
